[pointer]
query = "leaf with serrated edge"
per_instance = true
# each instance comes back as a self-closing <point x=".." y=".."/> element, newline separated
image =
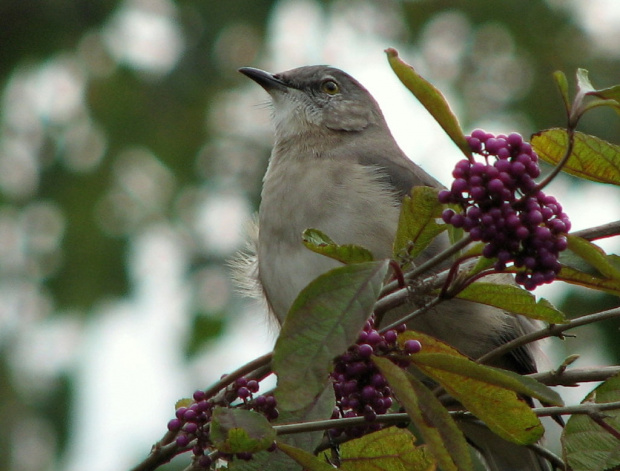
<point x="185" y="402"/>
<point x="323" y="322"/>
<point x="320" y="243"/>
<point x="587" y="445"/>
<point x="512" y="299"/>
<point x="431" y="98"/>
<point x="577" y="277"/>
<point x="475" y="386"/>
<point x="592" y="158"/>
<point x="441" y="434"/>
<point x="417" y="226"/>
<point x="240" y="431"/>
<point x="307" y="460"/>
<point x="390" y="449"/>
<point x="594" y="255"/>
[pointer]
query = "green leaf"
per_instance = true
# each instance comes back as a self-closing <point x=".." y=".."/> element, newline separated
<point x="578" y="277"/>
<point x="512" y="299"/>
<point x="583" y="82"/>
<point x="390" y="449"/>
<point x="486" y="392"/>
<point x="417" y="226"/>
<point x="442" y="436"/>
<point x="320" y="243"/>
<point x="562" y="83"/>
<point x="431" y="99"/>
<point x="592" y="158"/>
<point x="184" y="402"/>
<point x="483" y="263"/>
<point x="611" y="95"/>
<point x="240" y="431"/>
<point x="307" y="460"/>
<point x="323" y="322"/>
<point x="597" y="103"/>
<point x="586" y="444"/>
<point x="320" y="408"/>
<point x="594" y="255"/>
<point x="494" y="376"/>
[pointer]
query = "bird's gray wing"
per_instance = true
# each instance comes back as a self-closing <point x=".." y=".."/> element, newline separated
<point x="379" y="150"/>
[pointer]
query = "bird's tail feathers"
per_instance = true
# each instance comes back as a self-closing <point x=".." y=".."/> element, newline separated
<point x="501" y="455"/>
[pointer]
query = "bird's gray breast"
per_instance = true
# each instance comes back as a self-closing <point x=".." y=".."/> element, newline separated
<point x="347" y="201"/>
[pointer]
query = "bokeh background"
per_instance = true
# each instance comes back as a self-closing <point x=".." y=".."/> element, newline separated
<point x="131" y="156"/>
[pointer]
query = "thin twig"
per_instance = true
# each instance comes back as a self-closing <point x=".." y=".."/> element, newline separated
<point x="587" y="409"/>
<point x="599" y="232"/>
<point x="558" y="168"/>
<point x="159" y="455"/>
<point x="409" y="317"/>
<point x="574" y="377"/>
<point x="552" y="331"/>
<point x="429" y="264"/>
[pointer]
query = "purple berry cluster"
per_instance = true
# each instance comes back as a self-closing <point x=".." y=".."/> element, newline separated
<point x="361" y="390"/>
<point x="191" y="423"/>
<point x="502" y="207"/>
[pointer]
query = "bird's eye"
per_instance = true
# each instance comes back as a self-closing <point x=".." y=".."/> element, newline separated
<point x="330" y="87"/>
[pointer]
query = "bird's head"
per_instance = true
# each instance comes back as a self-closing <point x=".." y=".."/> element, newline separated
<point x="317" y="98"/>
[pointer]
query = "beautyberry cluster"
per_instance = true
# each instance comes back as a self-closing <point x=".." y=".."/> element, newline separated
<point x="361" y="390"/>
<point x="192" y="422"/>
<point x="502" y="207"/>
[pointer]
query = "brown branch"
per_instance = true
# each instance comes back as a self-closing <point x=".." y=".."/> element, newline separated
<point x="158" y="456"/>
<point x="599" y="232"/>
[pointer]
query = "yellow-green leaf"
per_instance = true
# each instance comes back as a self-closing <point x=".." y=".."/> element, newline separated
<point x="390" y="449"/>
<point x="444" y="439"/>
<point x="592" y="158"/>
<point x="512" y="299"/>
<point x="476" y="387"/>
<point x="578" y="277"/>
<point x="431" y="98"/>
<point x="240" y="431"/>
<point x="417" y="226"/>
<point x="307" y="460"/>
<point x="185" y="402"/>
<point x="319" y="242"/>
<point x="594" y="255"/>
<point x="608" y="96"/>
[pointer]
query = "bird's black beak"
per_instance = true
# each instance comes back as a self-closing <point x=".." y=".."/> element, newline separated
<point x="266" y="80"/>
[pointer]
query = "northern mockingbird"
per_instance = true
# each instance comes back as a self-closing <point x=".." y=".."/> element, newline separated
<point x="336" y="167"/>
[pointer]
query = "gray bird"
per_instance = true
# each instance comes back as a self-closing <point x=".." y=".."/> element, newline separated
<point x="336" y="167"/>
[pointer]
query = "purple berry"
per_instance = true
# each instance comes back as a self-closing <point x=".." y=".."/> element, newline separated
<point x="182" y="441"/>
<point x="253" y="386"/>
<point x="390" y="336"/>
<point x="174" y="425"/>
<point x="365" y="350"/>
<point x="412" y="346"/>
